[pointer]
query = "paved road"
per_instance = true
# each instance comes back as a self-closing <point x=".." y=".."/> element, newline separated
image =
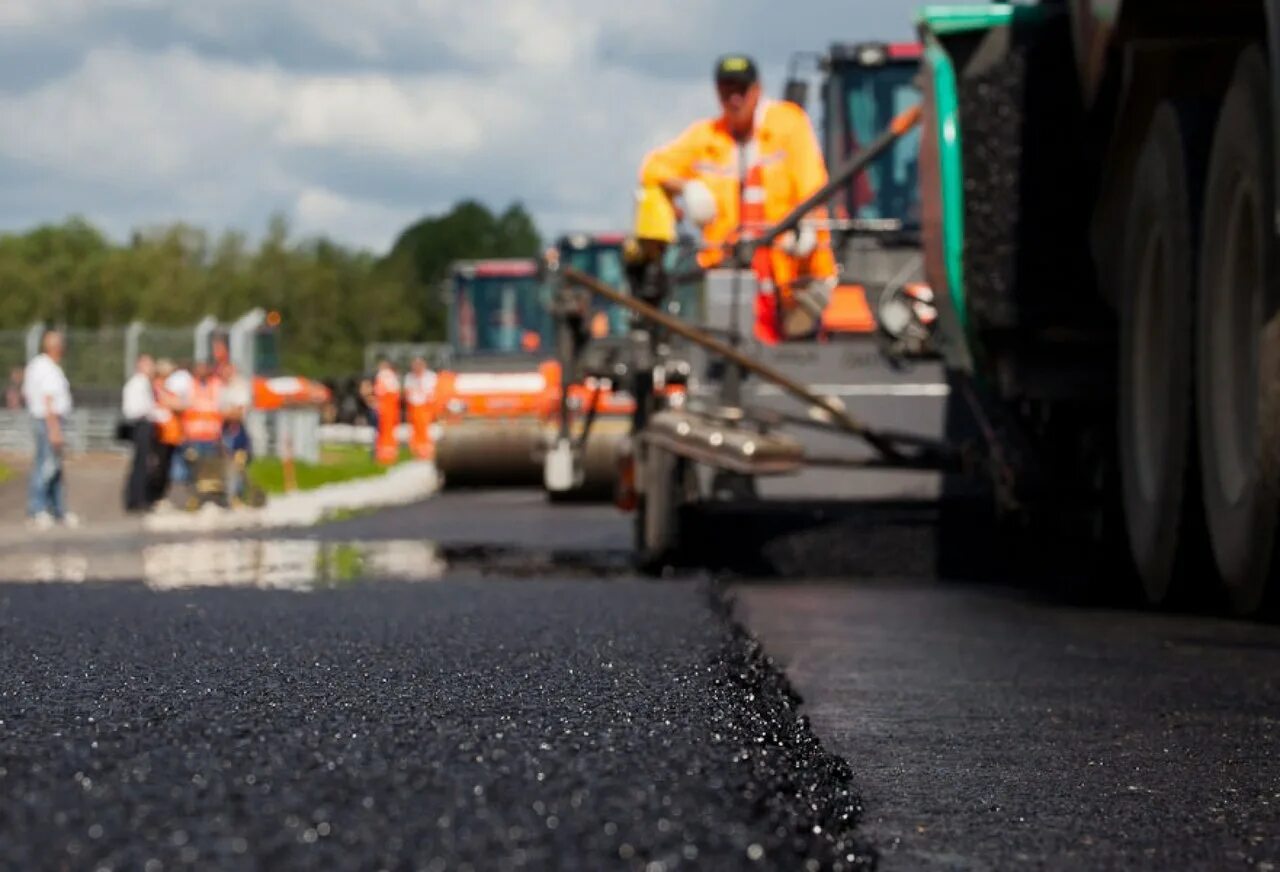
<point x="992" y="728"/>
<point x="324" y="702"/>
<point x="425" y="651"/>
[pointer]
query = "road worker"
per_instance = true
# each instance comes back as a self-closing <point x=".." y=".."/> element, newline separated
<point x="168" y="436"/>
<point x="386" y="392"/>
<point x="419" y="390"/>
<point x="743" y="171"/>
<point x="237" y="448"/>
<point x="202" y="418"/>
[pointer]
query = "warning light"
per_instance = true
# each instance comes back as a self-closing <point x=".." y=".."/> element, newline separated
<point x="273" y="319"/>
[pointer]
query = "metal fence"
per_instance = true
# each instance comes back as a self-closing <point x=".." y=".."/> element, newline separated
<point x="173" y="343"/>
<point x="401" y="354"/>
<point x="16" y="348"/>
<point x="97" y="362"/>
<point x="94" y="429"/>
<point x="87" y="430"/>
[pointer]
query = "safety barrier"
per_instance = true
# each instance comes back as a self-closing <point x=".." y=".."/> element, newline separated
<point x="94" y="429"/>
<point x="87" y="430"/>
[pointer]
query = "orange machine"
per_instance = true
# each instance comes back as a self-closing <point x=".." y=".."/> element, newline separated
<point x="491" y="403"/>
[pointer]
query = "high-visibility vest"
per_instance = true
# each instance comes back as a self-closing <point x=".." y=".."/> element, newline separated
<point x="168" y="427"/>
<point x="418" y="390"/>
<point x="202" y="419"/>
<point x="785" y="166"/>
<point x="386" y="383"/>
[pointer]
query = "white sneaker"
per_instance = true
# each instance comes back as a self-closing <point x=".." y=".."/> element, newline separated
<point x="42" y="521"/>
<point x="71" y="520"/>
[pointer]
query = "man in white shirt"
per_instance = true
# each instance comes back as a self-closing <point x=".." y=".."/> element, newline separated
<point x="47" y="395"/>
<point x="138" y="406"/>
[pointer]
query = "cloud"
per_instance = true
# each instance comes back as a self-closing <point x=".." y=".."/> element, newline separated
<point x="354" y="116"/>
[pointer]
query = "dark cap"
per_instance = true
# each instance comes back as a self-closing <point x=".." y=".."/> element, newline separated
<point x="736" y="68"/>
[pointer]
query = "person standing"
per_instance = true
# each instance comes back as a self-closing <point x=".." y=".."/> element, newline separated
<point x="202" y="416"/>
<point x="740" y="172"/>
<point x="13" y="393"/>
<point x="178" y="388"/>
<point x="47" y="395"/>
<point x="138" y="405"/>
<point x="237" y="399"/>
<point x="168" y="432"/>
<point x="419" y="389"/>
<point x="386" y="392"/>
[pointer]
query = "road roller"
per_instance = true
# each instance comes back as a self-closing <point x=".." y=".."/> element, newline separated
<point x="492" y="402"/>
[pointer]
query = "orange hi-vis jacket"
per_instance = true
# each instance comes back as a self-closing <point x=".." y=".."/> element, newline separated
<point x="757" y="182"/>
<point x="168" y="425"/>
<point x="202" y="419"/>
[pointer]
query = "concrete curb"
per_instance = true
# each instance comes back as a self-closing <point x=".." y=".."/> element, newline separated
<point x="406" y="483"/>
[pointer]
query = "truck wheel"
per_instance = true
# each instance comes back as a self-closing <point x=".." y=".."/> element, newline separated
<point x="1238" y="375"/>
<point x="1155" y="368"/>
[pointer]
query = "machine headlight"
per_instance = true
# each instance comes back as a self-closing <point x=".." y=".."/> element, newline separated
<point x="456" y="406"/>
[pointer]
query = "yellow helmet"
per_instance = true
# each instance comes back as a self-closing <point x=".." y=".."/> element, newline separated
<point x="655" y="217"/>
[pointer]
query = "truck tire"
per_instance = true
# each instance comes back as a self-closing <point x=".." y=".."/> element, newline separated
<point x="1238" y="378"/>
<point x="1156" y="384"/>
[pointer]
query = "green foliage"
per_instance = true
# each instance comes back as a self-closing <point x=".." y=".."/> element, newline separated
<point x="338" y="463"/>
<point x="333" y="300"/>
<point x="420" y="258"/>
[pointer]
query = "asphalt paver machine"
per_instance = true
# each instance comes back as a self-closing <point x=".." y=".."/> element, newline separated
<point x="701" y="429"/>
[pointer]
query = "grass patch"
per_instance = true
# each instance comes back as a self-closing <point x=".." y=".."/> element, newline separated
<point x="338" y="463"/>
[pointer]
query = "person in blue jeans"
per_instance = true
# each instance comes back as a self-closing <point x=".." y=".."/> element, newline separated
<point x="47" y="395"/>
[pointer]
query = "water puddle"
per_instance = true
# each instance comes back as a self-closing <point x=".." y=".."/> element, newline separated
<point x="303" y="564"/>
<point x="287" y="564"/>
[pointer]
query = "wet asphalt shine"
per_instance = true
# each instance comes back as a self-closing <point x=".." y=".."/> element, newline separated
<point x="481" y="681"/>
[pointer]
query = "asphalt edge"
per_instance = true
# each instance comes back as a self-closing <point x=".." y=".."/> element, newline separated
<point x="821" y="812"/>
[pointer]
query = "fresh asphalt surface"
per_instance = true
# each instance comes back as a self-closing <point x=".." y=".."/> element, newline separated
<point x="480" y="681"/>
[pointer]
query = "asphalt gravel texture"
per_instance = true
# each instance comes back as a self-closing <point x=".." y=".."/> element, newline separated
<point x="464" y="723"/>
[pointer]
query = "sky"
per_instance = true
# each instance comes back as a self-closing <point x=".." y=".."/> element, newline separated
<point x="356" y="117"/>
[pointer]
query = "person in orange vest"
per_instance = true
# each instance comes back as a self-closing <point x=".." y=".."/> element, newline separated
<point x="201" y="418"/>
<point x="168" y="431"/>
<point x="386" y="393"/>
<point x="419" y="390"/>
<point x="742" y="171"/>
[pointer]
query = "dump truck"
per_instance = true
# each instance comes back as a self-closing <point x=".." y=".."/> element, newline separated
<point x="491" y="402"/>
<point x="1099" y="217"/>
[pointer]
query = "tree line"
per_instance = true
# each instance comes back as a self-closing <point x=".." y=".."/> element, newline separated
<point x="332" y="299"/>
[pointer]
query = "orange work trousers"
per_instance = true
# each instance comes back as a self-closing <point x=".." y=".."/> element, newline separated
<point x="420" y="431"/>
<point x="386" y="449"/>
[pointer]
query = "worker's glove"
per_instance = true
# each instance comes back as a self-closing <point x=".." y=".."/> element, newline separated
<point x="699" y="202"/>
<point x="799" y="245"/>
